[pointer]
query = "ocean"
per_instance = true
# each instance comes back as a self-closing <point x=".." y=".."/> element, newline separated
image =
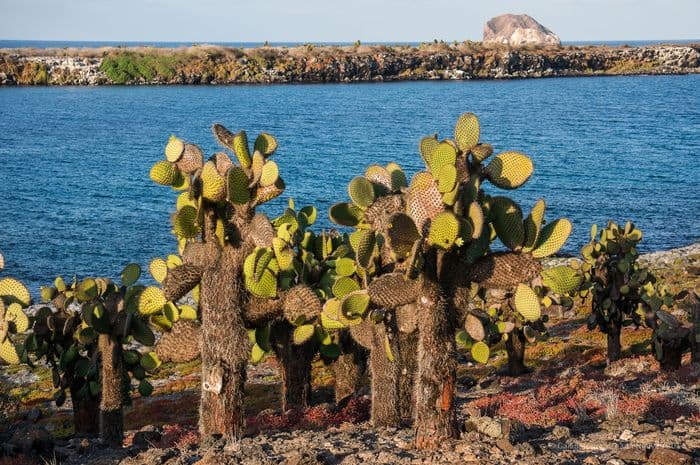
<point x="74" y="161"/>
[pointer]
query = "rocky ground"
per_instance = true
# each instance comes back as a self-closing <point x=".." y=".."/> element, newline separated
<point x="571" y="409"/>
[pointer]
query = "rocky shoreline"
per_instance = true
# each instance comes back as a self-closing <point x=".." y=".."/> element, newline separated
<point x="213" y="65"/>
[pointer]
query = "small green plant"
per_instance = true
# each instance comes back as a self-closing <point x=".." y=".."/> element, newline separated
<point x="622" y="291"/>
<point x="124" y="67"/>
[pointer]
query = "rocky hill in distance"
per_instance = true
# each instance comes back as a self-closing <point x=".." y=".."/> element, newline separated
<point x="518" y="30"/>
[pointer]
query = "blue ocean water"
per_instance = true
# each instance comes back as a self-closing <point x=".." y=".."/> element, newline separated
<point x="75" y="196"/>
<point x="103" y="43"/>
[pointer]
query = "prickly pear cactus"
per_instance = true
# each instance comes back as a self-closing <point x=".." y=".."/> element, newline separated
<point x="82" y="340"/>
<point x="217" y="228"/>
<point x="622" y="291"/>
<point x="426" y="245"/>
<point x="14" y="298"/>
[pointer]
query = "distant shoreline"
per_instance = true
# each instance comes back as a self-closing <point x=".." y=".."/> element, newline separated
<point x="216" y="65"/>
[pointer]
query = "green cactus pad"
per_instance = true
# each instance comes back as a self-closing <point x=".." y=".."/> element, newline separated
<point x="527" y="303"/>
<point x="151" y="301"/>
<point x="561" y="279"/>
<point x="444" y="154"/>
<point x="380" y="178"/>
<point x="8" y="352"/>
<point x="344" y="286"/>
<point x="508" y="221"/>
<point x="171" y="312"/>
<point x="476" y="218"/>
<point x="270" y="174"/>
<point x="213" y="184"/>
<point x="130" y="274"/>
<point x="265" y="287"/>
<point x="164" y="173"/>
<point x="174" y="149"/>
<point x="481" y="152"/>
<point x="509" y="170"/>
<point x="187" y="312"/>
<point x="427" y="146"/>
<point x="398" y="177"/>
<point x="265" y="143"/>
<point x="467" y="131"/>
<point x="185" y="222"/>
<point x="365" y="248"/>
<point x="444" y="230"/>
<point x="158" y="269"/>
<point x="355" y="304"/>
<point x="345" y="266"/>
<point x="446" y="178"/>
<point x="86" y="290"/>
<point x="302" y="334"/>
<point x="552" y="237"/>
<point x="11" y="290"/>
<point x="533" y="224"/>
<point x="480" y="352"/>
<point x="15" y="315"/>
<point x="402" y="234"/>
<point x="361" y="192"/>
<point x="237" y="184"/>
<point x="150" y="361"/>
<point x="142" y="333"/>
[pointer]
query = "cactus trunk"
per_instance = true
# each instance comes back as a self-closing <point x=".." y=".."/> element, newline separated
<point x="295" y="361"/>
<point x="435" y="416"/>
<point x="614" y="346"/>
<point x="385" y="375"/>
<point x="407" y="373"/>
<point x="112" y="375"/>
<point x="672" y="353"/>
<point x="695" y="334"/>
<point x="515" y="347"/>
<point x="86" y="414"/>
<point x="349" y="368"/>
<point x="225" y="347"/>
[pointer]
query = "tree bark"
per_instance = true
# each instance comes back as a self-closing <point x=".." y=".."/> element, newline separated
<point x="614" y="346"/>
<point x="112" y="402"/>
<point x="385" y="377"/>
<point x="295" y="361"/>
<point x="225" y="346"/>
<point x="407" y="374"/>
<point x="435" y="416"/>
<point x="86" y="414"/>
<point x="515" y="347"/>
<point x="349" y="368"/>
<point x="671" y="356"/>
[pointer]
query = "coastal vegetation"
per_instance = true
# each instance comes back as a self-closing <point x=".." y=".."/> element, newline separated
<point x="422" y="274"/>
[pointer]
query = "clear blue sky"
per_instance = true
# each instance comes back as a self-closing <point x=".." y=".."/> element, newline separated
<point x="332" y="20"/>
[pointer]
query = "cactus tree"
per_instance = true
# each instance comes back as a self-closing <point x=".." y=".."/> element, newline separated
<point x="217" y="228"/>
<point x="423" y="247"/>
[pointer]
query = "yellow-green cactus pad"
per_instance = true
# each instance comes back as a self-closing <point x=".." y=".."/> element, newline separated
<point x="187" y="312"/>
<point x="480" y="352"/>
<point x="185" y="222"/>
<point x="481" y="152"/>
<point x="552" y="237"/>
<point x="86" y="290"/>
<point x="270" y="174"/>
<point x="152" y="300"/>
<point x="533" y="224"/>
<point x="361" y="192"/>
<point x="15" y="315"/>
<point x="130" y="274"/>
<point x="265" y="143"/>
<point x="171" y="312"/>
<point x="467" y="131"/>
<point x="265" y="287"/>
<point x="158" y="269"/>
<point x="8" y="352"/>
<point x="345" y="214"/>
<point x="444" y="230"/>
<point x="256" y="166"/>
<point x="11" y="290"/>
<point x="163" y="172"/>
<point x="561" y="279"/>
<point x="365" y="247"/>
<point x="446" y="178"/>
<point x="174" y="149"/>
<point x="402" y="234"/>
<point x="345" y="266"/>
<point x="213" y="184"/>
<point x="444" y="154"/>
<point x="302" y="334"/>
<point x="426" y="146"/>
<point x="508" y="221"/>
<point x="527" y="303"/>
<point x="344" y="286"/>
<point x="476" y="217"/>
<point x="265" y="194"/>
<point x="241" y="149"/>
<point x="355" y="304"/>
<point x="150" y="361"/>
<point x="398" y="177"/>
<point x="509" y="170"/>
<point x="238" y="191"/>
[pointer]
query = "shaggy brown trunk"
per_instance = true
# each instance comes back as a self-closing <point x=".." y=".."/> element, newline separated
<point x="112" y="373"/>
<point x="435" y="416"/>
<point x="86" y="414"/>
<point x="225" y="347"/>
<point x="407" y="353"/>
<point x="385" y="376"/>
<point x="614" y="346"/>
<point x="671" y="356"/>
<point x="295" y="361"/>
<point x="349" y="368"/>
<point x="515" y="347"/>
<point x="695" y="330"/>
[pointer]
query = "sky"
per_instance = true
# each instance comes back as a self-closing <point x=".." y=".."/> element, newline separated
<point x="338" y="21"/>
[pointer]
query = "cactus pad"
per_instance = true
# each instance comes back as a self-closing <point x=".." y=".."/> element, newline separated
<point x="130" y="274"/>
<point x="444" y="230"/>
<point x="552" y="237"/>
<point x="345" y="214"/>
<point x="402" y="234"/>
<point x="361" y="192"/>
<point x="163" y="172"/>
<point x="527" y="303"/>
<point x="480" y="352"/>
<point x="380" y="178"/>
<point x="181" y="280"/>
<point x="152" y="300"/>
<point x="476" y="217"/>
<point x="265" y="143"/>
<point x="270" y="173"/>
<point x="467" y="131"/>
<point x="301" y="304"/>
<point x="158" y="269"/>
<point x="398" y="177"/>
<point x="426" y="147"/>
<point x="474" y="327"/>
<point x="344" y="286"/>
<point x="213" y="185"/>
<point x="261" y="231"/>
<point x="237" y="181"/>
<point x="446" y="178"/>
<point x="11" y="290"/>
<point x="266" y="286"/>
<point x="424" y="200"/>
<point x="503" y="270"/>
<point x="185" y="222"/>
<point x="174" y="149"/>
<point x="561" y="279"/>
<point x="392" y="290"/>
<point x="192" y="159"/>
<point x="509" y="170"/>
<point x="355" y="304"/>
<point x="181" y="344"/>
<point x="8" y="352"/>
<point x="265" y="194"/>
<point x="17" y="317"/>
<point x="222" y="162"/>
<point x="533" y="224"/>
<point x="241" y="148"/>
<point x="508" y="221"/>
<point x="444" y="154"/>
<point x="481" y="152"/>
<point x="302" y="334"/>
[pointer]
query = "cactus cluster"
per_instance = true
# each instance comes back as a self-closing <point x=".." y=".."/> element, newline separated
<point x="14" y="298"/>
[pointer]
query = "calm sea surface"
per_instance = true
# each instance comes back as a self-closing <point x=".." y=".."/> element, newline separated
<point x="75" y="196"/>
